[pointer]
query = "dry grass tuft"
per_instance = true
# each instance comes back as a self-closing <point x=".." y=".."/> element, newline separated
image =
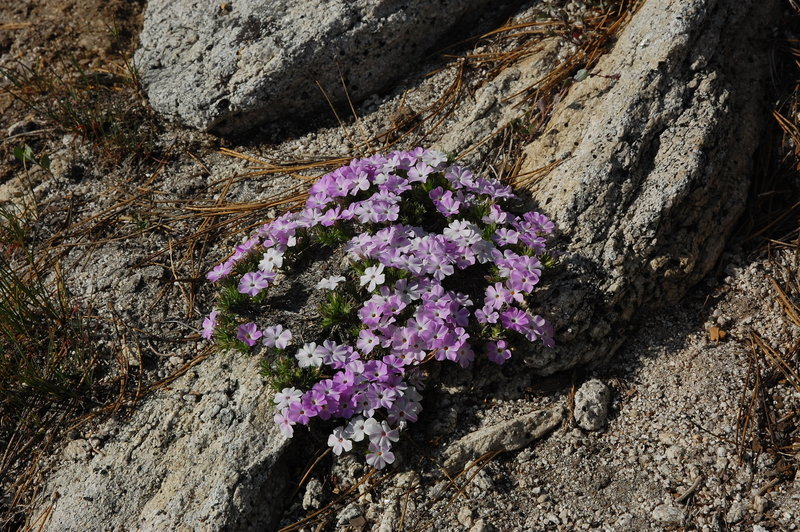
<point x="105" y="107"/>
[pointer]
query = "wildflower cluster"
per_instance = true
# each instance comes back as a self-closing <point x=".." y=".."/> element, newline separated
<point x="439" y="269"/>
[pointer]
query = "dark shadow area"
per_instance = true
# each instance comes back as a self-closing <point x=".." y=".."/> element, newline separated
<point x="320" y="115"/>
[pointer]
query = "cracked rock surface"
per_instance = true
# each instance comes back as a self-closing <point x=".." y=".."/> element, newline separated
<point x="653" y="155"/>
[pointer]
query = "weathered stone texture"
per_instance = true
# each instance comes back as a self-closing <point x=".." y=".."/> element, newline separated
<point x="654" y="157"/>
<point x="204" y="455"/>
<point x="228" y="69"/>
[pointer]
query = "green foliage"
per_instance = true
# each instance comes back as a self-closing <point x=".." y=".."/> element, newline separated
<point x="230" y="299"/>
<point x="417" y="208"/>
<point x="547" y="260"/>
<point x="336" y="311"/>
<point x="332" y="236"/>
<point x="25" y="155"/>
<point x="281" y="371"/>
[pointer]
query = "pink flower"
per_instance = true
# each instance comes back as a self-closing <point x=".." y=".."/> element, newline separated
<point x="248" y="333"/>
<point x="219" y="271"/>
<point x="209" y="324"/>
<point x="254" y="282"/>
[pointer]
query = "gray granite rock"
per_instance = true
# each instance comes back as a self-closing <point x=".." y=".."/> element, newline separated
<point x="654" y="151"/>
<point x="253" y="61"/>
<point x="176" y="464"/>
<point x="668" y="514"/>
<point x="506" y="436"/>
<point x="591" y="405"/>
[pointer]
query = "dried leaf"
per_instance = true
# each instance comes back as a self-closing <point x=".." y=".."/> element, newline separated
<point x="715" y="334"/>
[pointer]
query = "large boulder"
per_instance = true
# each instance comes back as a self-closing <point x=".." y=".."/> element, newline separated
<point x="203" y="454"/>
<point x="230" y="66"/>
<point x="654" y="153"/>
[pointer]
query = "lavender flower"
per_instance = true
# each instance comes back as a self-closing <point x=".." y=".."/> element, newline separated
<point x="248" y="333"/>
<point x="422" y="287"/>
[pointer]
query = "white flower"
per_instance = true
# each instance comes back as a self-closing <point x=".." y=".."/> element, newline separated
<point x="286" y="397"/>
<point x="433" y="158"/>
<point x="379" y="456"/>
<point x="277" y="336"/>
<point x="372" y="277"/>
<point x="355" y="429"/>
<point x="381" y="434"/>
<point x="284" y="423"/>
<point x="338" y="440"/>
<point x="308" y="356"/>
<point x="271" y="260"/>
<point x="330" y="283"/>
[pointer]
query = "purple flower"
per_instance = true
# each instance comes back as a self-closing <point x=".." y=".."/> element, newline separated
<point x="219" y="271"/>
<point x="248" y="333"/>
<point x="541" y="221"/>
<point x="464" y="354"/>
<point x="486" y="315"/>
<point x="333" y="354"/>
<point x="497" y="352"/>
<point x="401" y="322"/>
<point x="371" y="314"/>
<point x="523" y="281"/>
<point x="367" y="341"/>
<point x="505" y="236"/>
<point x="419" y="173"/>
<point x="209" y="324"/>
<point x="366" y="402"/>
<point x="496" y="215"/>
<point x="445" y="203"/>
<point x="299" y="413"/>
<point x="376" y="371"/>
<point x="496" y="296"/>
<point x="254" y="282"/>
<point x="330" y="217"/>
<point x="276" y="336"/>
<point x="318" y="200"/>
<point x="515" y="319"/>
